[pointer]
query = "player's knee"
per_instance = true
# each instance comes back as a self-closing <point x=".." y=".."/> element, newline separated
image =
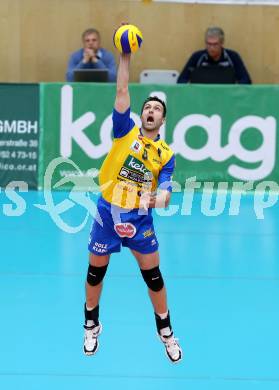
<point x="153" y="278"/>
<point x="95" y="275"/>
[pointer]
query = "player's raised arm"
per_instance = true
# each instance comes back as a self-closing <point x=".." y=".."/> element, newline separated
<point x="122" y="99"/>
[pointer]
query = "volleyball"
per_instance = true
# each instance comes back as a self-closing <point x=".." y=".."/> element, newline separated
<point x="127" y="39"/>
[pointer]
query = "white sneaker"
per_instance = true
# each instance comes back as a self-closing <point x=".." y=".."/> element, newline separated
<point x="173" y="350"/>
<point x="91" y="343"/>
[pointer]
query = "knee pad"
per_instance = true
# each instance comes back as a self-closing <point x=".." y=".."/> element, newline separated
<point x="96" y="274"/>
<point x="153" y="278"/>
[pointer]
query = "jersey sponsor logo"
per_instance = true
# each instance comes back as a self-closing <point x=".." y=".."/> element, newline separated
<point x="125" y="229"/>
<point x="156" y="161"/>
<point x="124" y="172"/>
<point x="131" y="175"/>
<point x="165" y="147"/>
<point x="135" y="164"/>
<point x="136" y="146"/>
<point x="135" y="170"/>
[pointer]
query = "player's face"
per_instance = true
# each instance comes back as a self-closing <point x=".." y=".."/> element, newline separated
<point x="91" y="41"/>
<point x="214" y="47"/>
<point x="152" y="116"/>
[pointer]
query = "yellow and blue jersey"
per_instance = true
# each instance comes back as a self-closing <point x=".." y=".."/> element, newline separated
<point x="135" y="164"/>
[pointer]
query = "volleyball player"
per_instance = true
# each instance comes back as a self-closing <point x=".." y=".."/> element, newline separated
<point x="135" y="177"/>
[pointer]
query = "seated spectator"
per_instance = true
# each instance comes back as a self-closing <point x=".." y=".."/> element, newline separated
<point x="91" y="56"/>
<point x="215" y="55"/>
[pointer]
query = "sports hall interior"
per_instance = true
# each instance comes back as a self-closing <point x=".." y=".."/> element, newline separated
<point x="222" y="273"/>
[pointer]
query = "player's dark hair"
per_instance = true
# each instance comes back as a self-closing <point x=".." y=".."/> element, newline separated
<point x="156" y="99"/>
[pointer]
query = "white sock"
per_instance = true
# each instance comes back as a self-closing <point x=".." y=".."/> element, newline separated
<point x="165" y="331"/>
<point x="163" y="316"/>
<point x="89" y="322"/>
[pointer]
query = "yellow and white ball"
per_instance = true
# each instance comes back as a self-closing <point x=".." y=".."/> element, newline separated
<point x="127" y="38"/>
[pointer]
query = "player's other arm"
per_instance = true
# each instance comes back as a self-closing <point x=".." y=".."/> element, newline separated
<point x="162" y="197"/>
<point x="122" y="99"/>
<point x="160" y="200"/>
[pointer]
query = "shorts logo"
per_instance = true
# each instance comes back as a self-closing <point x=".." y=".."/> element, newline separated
<point x="136" y="146"/>
<point x="125" y="229"/>
<point x="148" y="233"/>
<point x="100" y="248"/>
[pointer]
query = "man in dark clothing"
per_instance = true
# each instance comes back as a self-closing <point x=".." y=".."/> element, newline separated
<point x="215" y="56"/>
